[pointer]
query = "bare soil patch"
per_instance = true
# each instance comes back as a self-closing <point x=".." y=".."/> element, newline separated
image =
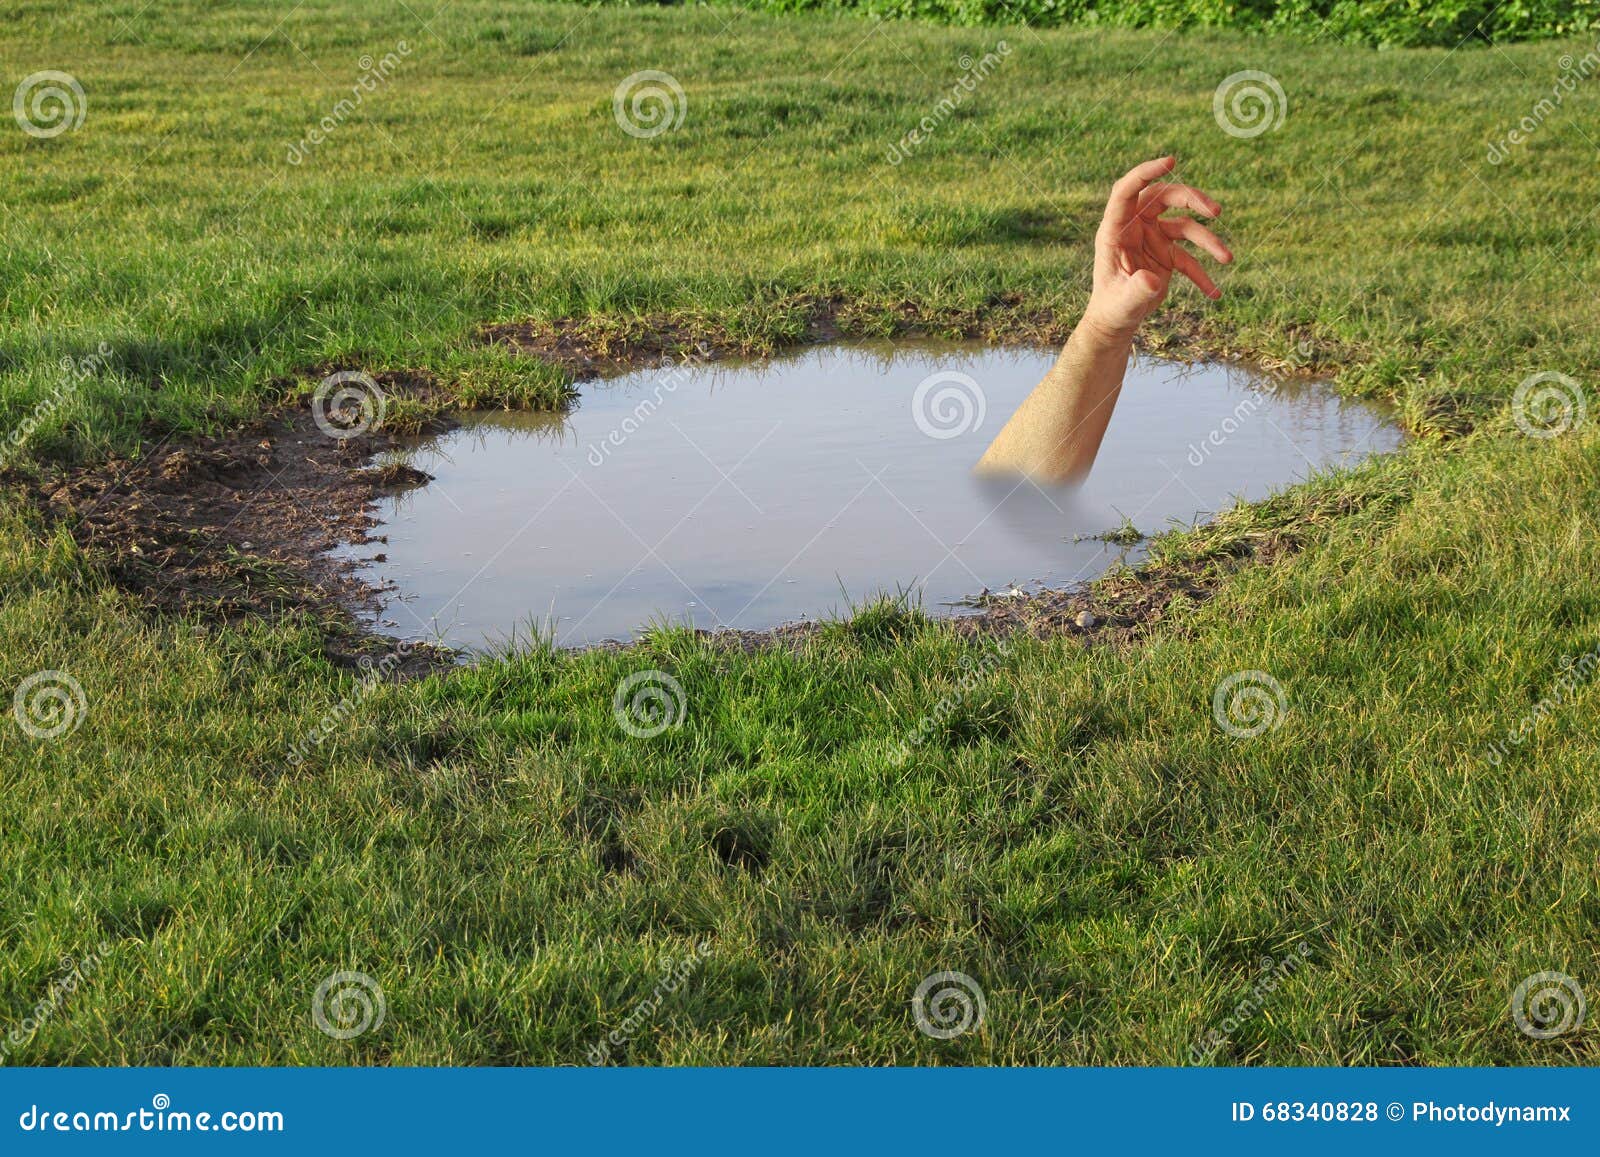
<point x="241" y="524"/>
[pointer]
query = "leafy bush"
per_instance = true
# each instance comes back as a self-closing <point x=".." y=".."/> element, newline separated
<point x="1397" y="23"/>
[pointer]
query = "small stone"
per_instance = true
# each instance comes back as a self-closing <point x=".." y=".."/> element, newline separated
<point x="1086" y="619"/>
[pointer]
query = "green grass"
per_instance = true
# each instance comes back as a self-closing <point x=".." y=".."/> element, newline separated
<point x="1076" y="833"/>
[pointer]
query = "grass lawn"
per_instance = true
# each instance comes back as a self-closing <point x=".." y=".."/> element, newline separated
<point x="1076" y="834"/>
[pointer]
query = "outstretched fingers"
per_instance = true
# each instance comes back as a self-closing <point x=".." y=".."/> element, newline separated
<point x="1143" y="244"/>
<point x="1124" y="204"/>
<point x="1183" y="261"/>
<point x="1190" y="230"/>
<point x="1158" y="198"/>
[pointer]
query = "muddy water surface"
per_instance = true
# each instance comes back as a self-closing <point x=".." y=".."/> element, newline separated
<point x="750" y="495"/>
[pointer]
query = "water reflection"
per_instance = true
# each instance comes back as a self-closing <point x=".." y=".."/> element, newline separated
<point x="748" y="495"/>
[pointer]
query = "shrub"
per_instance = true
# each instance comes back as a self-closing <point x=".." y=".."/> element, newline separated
<point x="1398" y="23"/>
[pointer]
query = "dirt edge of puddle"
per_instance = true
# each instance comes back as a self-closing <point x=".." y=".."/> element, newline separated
<point x="241" y="525"/>
<point x="1114" y="609"/>
<point x="606" y="345"/>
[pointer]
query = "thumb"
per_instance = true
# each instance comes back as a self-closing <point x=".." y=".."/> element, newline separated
<point x="1148" y="285"/>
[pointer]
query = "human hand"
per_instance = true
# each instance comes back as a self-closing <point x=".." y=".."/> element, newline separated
<point x="1136" y="249"/>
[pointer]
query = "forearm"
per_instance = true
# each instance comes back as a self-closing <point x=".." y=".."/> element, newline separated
<point x="1056" y="433"/>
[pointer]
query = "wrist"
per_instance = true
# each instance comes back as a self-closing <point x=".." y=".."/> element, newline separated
<point x="1101" y="329"/>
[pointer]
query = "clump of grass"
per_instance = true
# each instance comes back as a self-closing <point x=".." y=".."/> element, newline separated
<point x="881" y="621"/>
<point x="1124" y="534"/>
<point x="411" y="414"/>
<point x="493" y="378"/>
<point x="394" y="475"/>
<point x="478" y="378"/>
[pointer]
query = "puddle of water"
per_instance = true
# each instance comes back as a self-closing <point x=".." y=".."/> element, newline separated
<point x="755" y="494"/>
